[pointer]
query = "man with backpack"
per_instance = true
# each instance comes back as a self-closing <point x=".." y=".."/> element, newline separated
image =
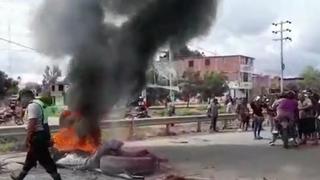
<point x="38" y="138"/>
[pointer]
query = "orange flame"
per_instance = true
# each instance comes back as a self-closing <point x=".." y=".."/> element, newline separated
<point x="67" y="139"/>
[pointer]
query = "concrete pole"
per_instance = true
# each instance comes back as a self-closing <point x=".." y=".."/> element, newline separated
<point x="170" y="54"/>
<point x="281" y="54"/>
<point x="281" y="39"/>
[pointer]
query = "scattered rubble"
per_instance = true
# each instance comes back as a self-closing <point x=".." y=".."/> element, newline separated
<point x="3" y="167"/>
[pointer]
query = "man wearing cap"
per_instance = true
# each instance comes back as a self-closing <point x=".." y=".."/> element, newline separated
<point x="38" y="136"/>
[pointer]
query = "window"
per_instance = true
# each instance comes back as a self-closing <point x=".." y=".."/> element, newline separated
<point x="191" y="64"/>
<point x="247" y="61"/>
<point x="245" y="77"/>
<point x="61" y="87"/>
<point x="207" y="62"/>
<point x="53" y="88"/>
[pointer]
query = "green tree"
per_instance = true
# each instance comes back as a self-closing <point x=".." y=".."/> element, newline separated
<point x="50" y="76"/>
<point x="190" y="84"/>
<point x="311" y="79"/>
<point x="208" y="85"/>
<point x="8" y="86"/>
<point x="214" y="84"/>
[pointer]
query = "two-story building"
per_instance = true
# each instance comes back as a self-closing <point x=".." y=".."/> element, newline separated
<point x="58" y="92"/>
<point x="237" y="68"/>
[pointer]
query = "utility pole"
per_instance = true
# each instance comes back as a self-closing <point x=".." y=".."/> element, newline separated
<point x="9" y="48"/>
<point x="281" y="39"/>
<point x="170" y="54"/>
<point x="168" y="57"/>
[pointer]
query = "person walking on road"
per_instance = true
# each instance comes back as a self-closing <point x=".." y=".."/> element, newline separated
<point x="38" y="139"/>
<point x="214" y="112"/>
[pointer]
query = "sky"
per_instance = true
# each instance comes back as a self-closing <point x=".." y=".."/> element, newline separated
<point x="241" y="27"/>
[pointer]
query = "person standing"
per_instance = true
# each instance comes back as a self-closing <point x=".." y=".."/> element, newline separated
<point x="257" y="108"/>
<point x="38" y="139"/>
<point x="244" y="114"/>
<point x="214" y="112"/>
<point x="275" y="125"/>
<point x="306" y="119"/>
<point x="314" y="97"/>
<point x="229" y="109"/>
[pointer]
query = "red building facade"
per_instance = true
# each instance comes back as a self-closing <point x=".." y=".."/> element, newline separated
<point x="237" y="68"/>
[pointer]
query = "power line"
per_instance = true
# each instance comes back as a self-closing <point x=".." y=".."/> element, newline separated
<point x="20" y="45"/>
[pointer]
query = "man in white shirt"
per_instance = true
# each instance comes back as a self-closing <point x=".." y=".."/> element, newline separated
<point x="38" y="139"/>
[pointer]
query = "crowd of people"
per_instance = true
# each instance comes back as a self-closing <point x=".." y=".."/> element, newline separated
<point x="293" y="117"/>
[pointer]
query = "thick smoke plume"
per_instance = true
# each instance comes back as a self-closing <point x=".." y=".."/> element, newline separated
<point x="110" y="61"/>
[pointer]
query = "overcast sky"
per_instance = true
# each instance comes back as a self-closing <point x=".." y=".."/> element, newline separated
<point x="242" y="27"/>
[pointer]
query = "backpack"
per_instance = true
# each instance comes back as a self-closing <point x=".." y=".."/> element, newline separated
<point x="209" y="110"/>
<point x="45" y="126"/>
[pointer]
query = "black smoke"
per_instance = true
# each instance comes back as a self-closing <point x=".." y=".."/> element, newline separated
<point x="109" y="61"/>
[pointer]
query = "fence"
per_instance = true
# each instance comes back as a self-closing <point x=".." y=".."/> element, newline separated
<point x="131" y="123"/>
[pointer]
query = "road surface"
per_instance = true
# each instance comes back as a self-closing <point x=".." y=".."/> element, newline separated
<point x="224" y="156"/>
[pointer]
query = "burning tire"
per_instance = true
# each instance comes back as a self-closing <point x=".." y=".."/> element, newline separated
<point x="132" y="165"/>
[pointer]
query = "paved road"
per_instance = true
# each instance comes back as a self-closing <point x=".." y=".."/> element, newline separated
<point x="232" y="156"/>
<point x="225" y="156"/>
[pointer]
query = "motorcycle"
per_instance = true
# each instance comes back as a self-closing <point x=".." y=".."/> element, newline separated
<point x="286" y="130"/>
<point x="137" y="112"/>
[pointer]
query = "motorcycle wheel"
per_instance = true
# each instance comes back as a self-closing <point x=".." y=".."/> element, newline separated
<point x="285" y="138"/>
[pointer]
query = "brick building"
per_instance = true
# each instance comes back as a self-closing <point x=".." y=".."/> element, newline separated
<point x="237" y="68"/>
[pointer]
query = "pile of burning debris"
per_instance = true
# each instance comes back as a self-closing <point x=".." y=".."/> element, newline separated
<point x="88" y="153"/>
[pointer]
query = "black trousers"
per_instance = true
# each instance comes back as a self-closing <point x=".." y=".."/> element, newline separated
<point x="213" y="125"/>
<point x="39" y="152"/>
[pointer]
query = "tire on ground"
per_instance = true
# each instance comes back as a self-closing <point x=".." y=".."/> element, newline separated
<point x="133" y="165"/>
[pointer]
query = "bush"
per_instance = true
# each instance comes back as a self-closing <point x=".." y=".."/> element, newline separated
<point x="188" y="112"/>
<point x="54" y="110"/>
<point x="202" y="108"/>
<point x="7" y="147"/>
<point x="160" y="113"/>
<point x="8" y="144"/>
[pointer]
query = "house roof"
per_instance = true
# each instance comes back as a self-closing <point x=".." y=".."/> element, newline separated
<point x="294" y="78"/>
<point x="208" y="57"/>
